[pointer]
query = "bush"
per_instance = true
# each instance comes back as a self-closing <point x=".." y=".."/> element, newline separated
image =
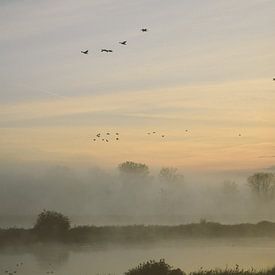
<point x="51" y="225"/>
<point x="154" y="268"/>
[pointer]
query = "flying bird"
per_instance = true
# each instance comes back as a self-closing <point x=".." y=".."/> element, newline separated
<point x="144" y="30"/>
<point x="123" y="42"/>
<point x="106" y="51"/>
<point x="273" y="78"/>
<point x="85" y="52"/>
<point x="163" y="136"/>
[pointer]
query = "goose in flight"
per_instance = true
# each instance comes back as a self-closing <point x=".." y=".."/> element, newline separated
<point x="106" y="51"/>
<point x="144" y="30"/>
<point x="123" y="42"/>
<point x="85" y="52"/>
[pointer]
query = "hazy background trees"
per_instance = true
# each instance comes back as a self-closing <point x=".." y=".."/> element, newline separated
<point x="134" y="193"/>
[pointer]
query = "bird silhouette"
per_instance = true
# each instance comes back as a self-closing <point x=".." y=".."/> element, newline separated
<point x="85" y="52"/>
<point x="144" y="30"/>
<point x="117" y="138"/>
<point x="273" y="78"/>
<point x="163" y="136"/>
<point x="123" y="42"/>
<point x="106" y="51"/>
<point x="117" y="134"/>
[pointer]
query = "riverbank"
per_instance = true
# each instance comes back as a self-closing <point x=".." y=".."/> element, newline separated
<point x="140" y="233"/>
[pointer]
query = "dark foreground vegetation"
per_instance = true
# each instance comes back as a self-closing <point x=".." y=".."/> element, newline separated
<point x="53" y="226"/>
<point x="162" y="268"/>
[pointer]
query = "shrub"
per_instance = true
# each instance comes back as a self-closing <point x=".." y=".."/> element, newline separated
<point x="51" y="225"/>
<point x="154" y="268"/>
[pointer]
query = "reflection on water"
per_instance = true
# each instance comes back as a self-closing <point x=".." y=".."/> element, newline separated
<point x="189" y="255"/>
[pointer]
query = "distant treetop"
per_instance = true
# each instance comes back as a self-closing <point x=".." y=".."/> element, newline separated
<point x="133" y="168"/>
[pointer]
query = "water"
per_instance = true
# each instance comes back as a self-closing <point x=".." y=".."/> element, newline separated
<point x="189" y="255"/>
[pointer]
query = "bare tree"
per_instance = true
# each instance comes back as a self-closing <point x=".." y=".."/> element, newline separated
<point x="170" y="175"/>
<point x="263" y="185"/>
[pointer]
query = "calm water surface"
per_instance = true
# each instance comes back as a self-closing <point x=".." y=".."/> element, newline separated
<point x="189" y="255"/>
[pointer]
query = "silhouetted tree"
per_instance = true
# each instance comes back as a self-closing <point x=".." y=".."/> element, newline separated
<point x="170" y="175"/>
<point x="51" y="225"/>
<point x="131" y="168"/>
<point x="263" y="185"/>
<point x="154" y="268"/>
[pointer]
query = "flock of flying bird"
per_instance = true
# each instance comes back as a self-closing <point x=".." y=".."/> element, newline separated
<point x="106" y="138"/>
<point x="124" y="43"/>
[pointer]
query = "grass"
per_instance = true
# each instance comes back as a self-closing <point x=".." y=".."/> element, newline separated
<point x="162" y="268"/>
<point x="234" y="271"/>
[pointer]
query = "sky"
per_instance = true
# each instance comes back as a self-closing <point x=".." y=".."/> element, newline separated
<point x="205" y="66"/>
